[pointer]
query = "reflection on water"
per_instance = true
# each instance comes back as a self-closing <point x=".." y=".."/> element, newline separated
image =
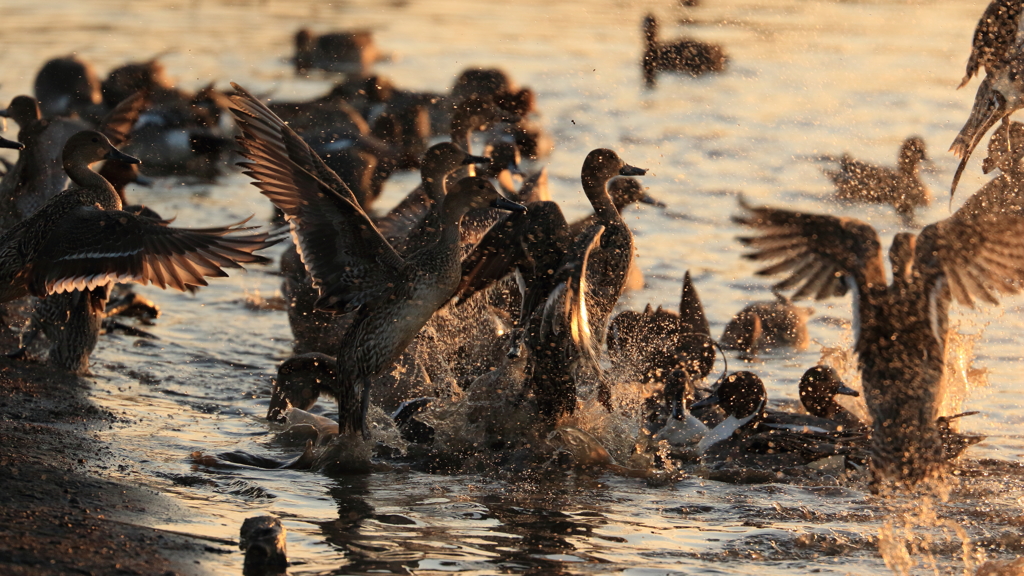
<point x="807" y="78"/>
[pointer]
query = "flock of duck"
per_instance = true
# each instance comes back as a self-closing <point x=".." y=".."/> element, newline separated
<point x="473" y="312"/>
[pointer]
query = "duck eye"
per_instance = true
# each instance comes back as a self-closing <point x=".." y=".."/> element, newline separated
<point x="95" y="140"/>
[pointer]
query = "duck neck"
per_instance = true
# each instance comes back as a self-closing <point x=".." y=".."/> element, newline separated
<point x="596" y="189"/>
<point x="86" y="179"/>
<point x="451" y="220"/>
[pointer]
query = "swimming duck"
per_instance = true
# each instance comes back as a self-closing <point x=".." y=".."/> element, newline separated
<point x="900" y="329"/>
<point x="392" y="297"/>
<point x="67" y="86"/>
<point x="999" y="46"/>
<point x="654" y="343"/>
<point x="818" y="388"/>
<point x="352" y="52"/>
<point x="901" y="187"/>
<point x="766" y="326"/>
<point x="685" y="55"/>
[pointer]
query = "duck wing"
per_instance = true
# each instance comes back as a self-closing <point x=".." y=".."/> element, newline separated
<point x="978" y="252"/>
<point x="993" y="38"/>
<point x="347" y="258"/>
<point x="91" y="247"/>
<point x="118" y="124"/>
<point x="259" y="123"/>
<point x="816" y="251"/>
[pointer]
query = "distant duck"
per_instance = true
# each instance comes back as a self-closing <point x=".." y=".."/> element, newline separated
<point x="392" y="297"/>
<point x="901" y="187"/>
<point x="82" y="240"/>
<point x="998" y="48"/>
<point x="67" y="86"/>
<point x="899" y="328"/>
<point x="766" y="326"/>
<point x="685" y="55"/>
<point x="352" y="52"/>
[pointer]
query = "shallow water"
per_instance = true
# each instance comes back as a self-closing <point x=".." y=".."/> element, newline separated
<point x="806" y="78"/>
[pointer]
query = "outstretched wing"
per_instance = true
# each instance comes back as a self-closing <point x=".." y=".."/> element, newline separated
<point x="91" y="247"/>
<point x="816" y="251"/>
<point x="979" y="250"/>
<point x="118" y="124"/>
<point x="345" y="255"/>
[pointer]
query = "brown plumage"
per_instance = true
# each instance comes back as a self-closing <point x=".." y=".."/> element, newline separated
<point x="900" y="187"/>
<point x="993" y="38"/>
<point x="81" y="239"/>
<point x="351" y="264"/>
<point x="900" y="328"/>
<point x="684" y="55"/>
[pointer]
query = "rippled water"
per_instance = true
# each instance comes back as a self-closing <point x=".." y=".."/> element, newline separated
<point x="806" y="78"/>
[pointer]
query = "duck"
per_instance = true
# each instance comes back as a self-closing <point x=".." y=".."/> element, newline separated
<point x="351" y="52"/>
<point x="655" y="343"/>
<point x="684" y="55"/>
<point x="899" y="328"/>
<point x="37" y="175"/>
<point x="392" y="297"/>
<point x="535" y="244"/>
<point x="300" y="381"/>
<point x="766" y="326"/>
<point x="81" y="240"/>
<point x="999" y="48"/>
<point x="67" y="86"/>
<point x="900" y="187"/>
<point x="818" y="387"/>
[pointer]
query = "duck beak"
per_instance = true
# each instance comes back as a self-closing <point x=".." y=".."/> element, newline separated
<point x="988" y="165"/>
<point x="5" y="143"/>
<point x="503" y="203"/>
<point x="989" y="108"/>
<point x="648" y="199"/>
<point x="144" y="181"/>
<point x="469" y="159"/>
<point x="628" y="170"/>
<point x="709" y="401"/>
<point x="115" y="154"/>
<point x="847" y="391"/>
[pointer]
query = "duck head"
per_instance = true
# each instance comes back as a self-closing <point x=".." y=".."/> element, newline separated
<point x="601" y="165"/>
<point x="299" y="383"/>
<point x="88" y="147"/>
<point x="442" y="159"/>
<point x="912" y="152"/>
<point x="741" y="395"/>
<point x="472" y="193"/>
<point x="23" y="110"/>
<point x="818" y="388"/>
<point x="504" y="155"/>
<point x="625" y="191"/>
<point x="990" y="106"/>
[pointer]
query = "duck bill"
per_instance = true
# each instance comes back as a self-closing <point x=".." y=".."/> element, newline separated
<point x="648" y="199"/>
<point x="144" y="181"/>
<point x="709" y="401"/>
<point x="5" y="143"/>
<point x="847" y="391"/>
<point x="628" y="170"/>
<point x="115" y="154"/>
<point x="470" y="159"/>
<point x="989" y="107"/>
<point x="514" y="169"/>
<point x="503" y="203"/>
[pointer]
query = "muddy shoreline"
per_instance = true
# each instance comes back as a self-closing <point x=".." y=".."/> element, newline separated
<point x="57" y="514"/>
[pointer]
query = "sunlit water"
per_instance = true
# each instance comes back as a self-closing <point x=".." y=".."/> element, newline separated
<point x="805" y="78"/>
